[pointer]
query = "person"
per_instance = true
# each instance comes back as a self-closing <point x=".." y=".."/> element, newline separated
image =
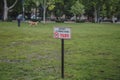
<point x="114" y="19"/>
<point x="100" y="19"/>
<point x="19" y="18"/>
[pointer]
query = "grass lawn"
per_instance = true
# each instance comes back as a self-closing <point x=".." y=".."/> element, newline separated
<point x="31" y="53"/>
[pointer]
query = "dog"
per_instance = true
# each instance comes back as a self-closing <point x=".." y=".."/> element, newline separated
<point x="31" y="23"/>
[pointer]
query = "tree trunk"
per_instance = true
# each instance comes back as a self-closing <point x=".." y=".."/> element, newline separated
<point x="75" y="17"/>
<point x="36" y="13"/>
<point x="44" y="11"/>
<point x="98" y="15"/>
<point x="6" y="9"/>
<point x="5" y="14"/>
<point x="113" y="19"/>
<point x="95" y="15"/>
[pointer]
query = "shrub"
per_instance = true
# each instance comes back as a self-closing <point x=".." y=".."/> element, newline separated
<point x="60" y="20"/>
<point x="35" y="20"/>
<point x="80" y="21"/>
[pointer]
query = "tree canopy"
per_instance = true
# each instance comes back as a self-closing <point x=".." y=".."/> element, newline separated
<point x="91" y="8"/>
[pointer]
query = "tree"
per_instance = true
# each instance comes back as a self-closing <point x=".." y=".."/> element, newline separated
<point x="77" y="8"/>
<point x="37" y="3"/>
<point x="59" y="9"/>
<point x="44" y="3"/>
<point x="96" y="4"/>
<point x="99" y="8"/>
<point x="94" y="7"/>
<point x="6" y="9"/>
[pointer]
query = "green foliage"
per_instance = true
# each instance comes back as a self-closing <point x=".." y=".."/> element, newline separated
<point x="103" y="7"/>
<point x="77" y="8"/>
<point x="59" y="9"/>
<point x="103" y="11"/>
<point x="51" y="7"/>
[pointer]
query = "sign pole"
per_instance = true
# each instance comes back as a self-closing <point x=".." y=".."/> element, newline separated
<point x="62" y="58"/>
<point x="62" y="33"/>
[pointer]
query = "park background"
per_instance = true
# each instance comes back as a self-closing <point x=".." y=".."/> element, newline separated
<point x="31" y="53"/>
<point x="61" y="10"/>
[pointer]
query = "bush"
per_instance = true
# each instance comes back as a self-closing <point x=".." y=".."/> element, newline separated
<point x="80" y="21"/>
<point x="60" y="20"/>
<point x="35" y="20"/>
<point x="9" y="19"/>
<point x="108" y="20"/>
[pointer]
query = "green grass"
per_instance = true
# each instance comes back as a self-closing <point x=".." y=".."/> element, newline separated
<point x="31" y="53"/>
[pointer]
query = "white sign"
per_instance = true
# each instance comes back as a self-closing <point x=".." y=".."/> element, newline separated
<point x="62" y="33"/>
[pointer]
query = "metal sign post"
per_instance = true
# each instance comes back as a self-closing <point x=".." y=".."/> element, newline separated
<point x="62" y="33"/>
<point x="62" y="58"/>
